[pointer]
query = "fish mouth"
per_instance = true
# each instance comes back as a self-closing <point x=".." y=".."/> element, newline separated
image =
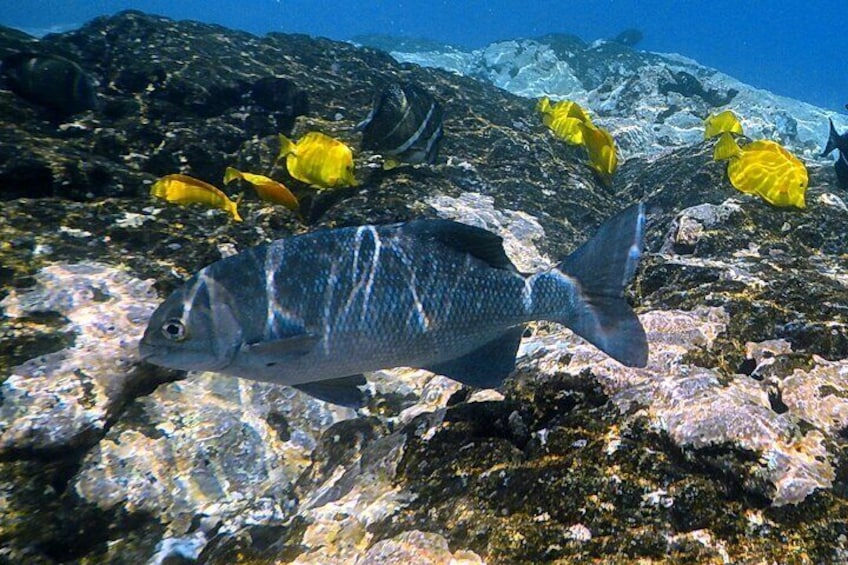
<point x="146" y="352"/>
<point x="161" y="357"/>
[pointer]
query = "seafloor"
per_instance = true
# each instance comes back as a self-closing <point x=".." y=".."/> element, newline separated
<point x="729" y="447"/>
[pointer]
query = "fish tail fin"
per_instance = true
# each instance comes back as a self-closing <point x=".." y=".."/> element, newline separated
<point x="287" y="147"/>
<point x="832" y="140"/>
<point x="544" y="105"/>
<point x="587" y="288"/>
<point x="390" y="163"/>
<point x="231" y="174"/>
<point x="159" y="189"/>
<point x="726" y="148"/>
<point x="233" y="208"/>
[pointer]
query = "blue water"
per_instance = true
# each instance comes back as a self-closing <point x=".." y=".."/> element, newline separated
<point x="791" y="47"/>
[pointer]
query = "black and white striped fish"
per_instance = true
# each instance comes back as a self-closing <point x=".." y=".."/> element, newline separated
<point x="405" y="124"/>
<point x="317" y="310"/>
<point x="840" y="142"/>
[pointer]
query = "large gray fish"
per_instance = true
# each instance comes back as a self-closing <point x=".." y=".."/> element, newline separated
<point x="405" y="124"/>
<point x="316" y="311"/>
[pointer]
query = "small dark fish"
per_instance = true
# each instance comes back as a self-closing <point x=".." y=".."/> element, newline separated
<point x="283" y="100"/>
<point x="840" y="142"/>
<point x="51" y="81"/>
<point x="405" y="124"/>
<point x="629" y="37"/>
<point x="279" y="94"/>
<point x="315" y="311"/>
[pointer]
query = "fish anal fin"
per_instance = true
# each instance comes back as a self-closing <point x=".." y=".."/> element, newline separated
<point x="480" y="243"/>
<point x="487" y="366"/>
<point x="344" y="391"/>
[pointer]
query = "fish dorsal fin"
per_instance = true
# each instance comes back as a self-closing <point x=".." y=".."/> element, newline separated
<point x="487" y="366"/>
<point x="480" y="243"/>
<point x="343" y="391"/>
<point x="277" y="349"/>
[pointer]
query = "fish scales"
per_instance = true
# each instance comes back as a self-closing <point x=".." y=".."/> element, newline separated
<point x="435" y="294"/>
<point x="440" y="305"/>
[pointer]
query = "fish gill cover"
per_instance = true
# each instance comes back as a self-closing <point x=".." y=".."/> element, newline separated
<point x="728" y="445"/>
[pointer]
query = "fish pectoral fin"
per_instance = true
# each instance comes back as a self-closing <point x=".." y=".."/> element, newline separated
<point x="344" y="391"/>
<point x="287" y="346"/>
<point x="487" y="366"/>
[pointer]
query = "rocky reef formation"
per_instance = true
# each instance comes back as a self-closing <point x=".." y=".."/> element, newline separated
<point x="728" y="447"/>
<point x="650" y="102"/>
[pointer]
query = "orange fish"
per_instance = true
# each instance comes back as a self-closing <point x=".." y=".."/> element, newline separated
<point x="267" y="188"/>
<point x="183" y="189"/>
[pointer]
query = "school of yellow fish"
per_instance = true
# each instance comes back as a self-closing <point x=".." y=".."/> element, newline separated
<point x="761" y="167"/>
<point x="571" y="123"/>
<point x="321" y="162"/>
<point x="316" y="159"/>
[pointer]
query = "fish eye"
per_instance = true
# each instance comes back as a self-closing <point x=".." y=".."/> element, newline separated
<point x="174" y="330"/>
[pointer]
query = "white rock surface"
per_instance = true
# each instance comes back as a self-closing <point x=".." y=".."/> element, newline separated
<point x="624" y="90"/>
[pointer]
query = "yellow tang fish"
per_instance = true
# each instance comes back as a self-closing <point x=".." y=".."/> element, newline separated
<point x="319" y="160"/>
<point x="601" y="148"/>
<point x="267" y="188"/>
<point x="183" y="189"/>
<point x="564" y="119"/>
<point x="717" y="124"/>
<point x="764" y="168"/>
